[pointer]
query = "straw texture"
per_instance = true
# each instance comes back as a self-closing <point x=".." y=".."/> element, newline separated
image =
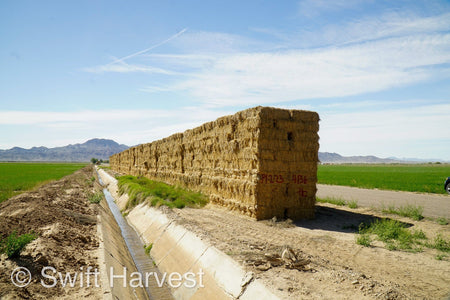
<point x="261" y="161"/>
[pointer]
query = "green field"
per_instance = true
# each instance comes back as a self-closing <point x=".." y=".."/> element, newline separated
<point x="427" y="178"/>
<point x="18" y="177"/>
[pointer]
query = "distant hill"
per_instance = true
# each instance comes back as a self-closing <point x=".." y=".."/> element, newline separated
<point x="103" y="149"/>
<point x="327" y="157"/>
<point x="98" y="148"/>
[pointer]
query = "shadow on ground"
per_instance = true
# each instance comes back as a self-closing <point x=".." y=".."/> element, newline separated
<point x="335" y="219"/>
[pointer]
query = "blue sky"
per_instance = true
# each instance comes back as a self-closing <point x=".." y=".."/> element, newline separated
<point x="377" y="72"/>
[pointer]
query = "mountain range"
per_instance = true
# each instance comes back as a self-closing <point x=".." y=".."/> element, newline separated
<point x="104" y="148"/>
<point x="334" y="158"/>
<point x="94" y="148"/>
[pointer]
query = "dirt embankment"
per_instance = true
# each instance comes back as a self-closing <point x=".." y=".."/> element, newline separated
<point x="65" y="223"/>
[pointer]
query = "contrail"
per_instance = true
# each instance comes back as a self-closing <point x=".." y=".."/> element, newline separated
<point x="148" y="49"/>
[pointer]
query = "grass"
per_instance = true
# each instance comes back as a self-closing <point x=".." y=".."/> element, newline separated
<point x="396" y="236"/>
<point x="364" y="240"/>
<point x="410" y="211"/>
<point x="148" y="248"/>
<point x="441" y="256"/>
<point x="13" y="244"/>
<point x="140" y="189"/>
<point x="338" y="201"/>
<point x="439" y="243"/>
<point x="442" y="221"/>
<point x="393" y="233"/>
<point x="427" y="178"/>
<point x="352" y="204"/>
<point x="16" y="178"/>
<point x="96" y="198"/>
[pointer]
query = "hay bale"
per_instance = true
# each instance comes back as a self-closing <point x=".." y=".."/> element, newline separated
<point x="261" y="161"/>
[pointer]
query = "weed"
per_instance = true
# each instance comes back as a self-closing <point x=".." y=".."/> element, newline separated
<point x="364" y="240"/>
<point x="352" y="204"/>
<point x="440" y="244"/>
<point x="338" y="201"/>
<point x="96" y="198"/>
<point x="148" y="249"/>
<point x="14" y="244"/>
<point x="394" y="234"/>
<point x="142" y="189"/>
<point x="440" y="256"/>
<point x="442" y="221"/>
<point x="332" y="200"/>
<point x="410" y="211"/>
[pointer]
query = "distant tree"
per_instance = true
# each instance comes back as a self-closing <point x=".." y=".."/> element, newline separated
<point x="94" y="160"/>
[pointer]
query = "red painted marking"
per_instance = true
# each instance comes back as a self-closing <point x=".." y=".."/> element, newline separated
<point x="302" y="193"/>
<point x="299" y="179"/>
<point x="278" y="178"/>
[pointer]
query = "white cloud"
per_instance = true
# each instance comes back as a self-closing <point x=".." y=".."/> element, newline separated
<point x="375" y="28"/>
<point x="257" y="78"/>
<point x="388" y="131"/>
<point x="366" y="55"/>
<point x="181" y="60"/>
<point x="125" y="126"/>
<point x="206" y="42"/>
<point x="373" y="55"/>
<point x="45" y="118"/>
<point x="370" y="55"/>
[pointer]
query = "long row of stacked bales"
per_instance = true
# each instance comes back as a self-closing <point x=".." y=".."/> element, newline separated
<point x="261" y="161"/>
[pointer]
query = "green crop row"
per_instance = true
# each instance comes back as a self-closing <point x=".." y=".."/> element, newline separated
<point x="16" y="178"/>
<point x="427" y="178"/>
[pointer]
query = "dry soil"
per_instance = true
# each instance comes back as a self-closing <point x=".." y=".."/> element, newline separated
<point x="332" y="265"/>
<point x="65" y="222"/>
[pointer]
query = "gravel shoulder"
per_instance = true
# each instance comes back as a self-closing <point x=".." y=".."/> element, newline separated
<point x="434" y="205"/>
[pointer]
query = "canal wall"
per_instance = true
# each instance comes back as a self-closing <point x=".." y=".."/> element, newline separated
<point x="176" y="250"/>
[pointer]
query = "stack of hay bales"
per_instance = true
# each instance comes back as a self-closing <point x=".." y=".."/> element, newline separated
<point x="288" y="156"/>
<point x="261" y="161"/>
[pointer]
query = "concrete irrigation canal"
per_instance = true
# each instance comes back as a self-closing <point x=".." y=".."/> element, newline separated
<point x="191" y="268"/>
<point x="148" y="281"/>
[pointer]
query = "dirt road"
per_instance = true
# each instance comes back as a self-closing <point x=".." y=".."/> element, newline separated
<point x="433" y="205"/>
<point x="336" y="267"/>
